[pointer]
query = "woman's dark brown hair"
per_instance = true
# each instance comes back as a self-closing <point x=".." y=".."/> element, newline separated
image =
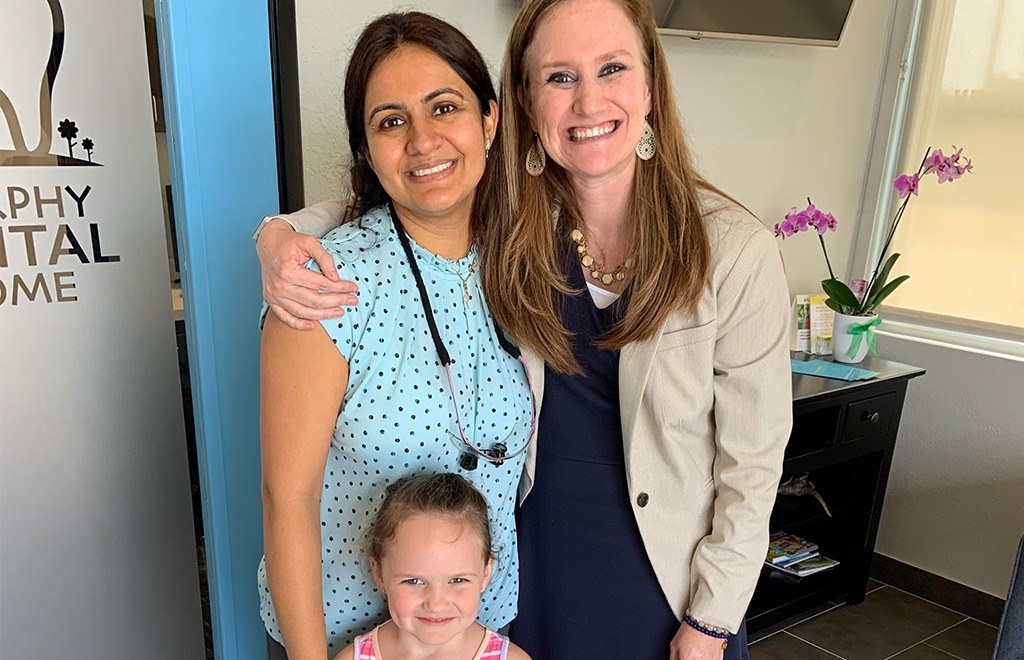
<point x="379" y="39"/>
<point x="443" y="494"/>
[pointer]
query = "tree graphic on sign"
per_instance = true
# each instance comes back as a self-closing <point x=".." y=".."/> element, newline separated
<point x="88" y="145"/>
<point x="69" y="132"/>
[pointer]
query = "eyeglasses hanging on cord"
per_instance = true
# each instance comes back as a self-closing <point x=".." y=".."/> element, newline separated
<point x="471" y="453"/>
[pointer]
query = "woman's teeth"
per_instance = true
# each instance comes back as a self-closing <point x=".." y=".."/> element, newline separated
<point x="584" y="133"/>
<point x="433" y="170"/>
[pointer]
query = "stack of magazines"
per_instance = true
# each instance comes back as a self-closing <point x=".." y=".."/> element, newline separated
<point x="792" y="554"/>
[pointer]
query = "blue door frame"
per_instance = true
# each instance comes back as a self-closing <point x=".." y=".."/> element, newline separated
<point x="217" y="79"/>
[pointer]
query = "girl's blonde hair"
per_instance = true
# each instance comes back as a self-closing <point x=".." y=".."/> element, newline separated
<point x="521" y="272"/>
<point x="444" y="494"/>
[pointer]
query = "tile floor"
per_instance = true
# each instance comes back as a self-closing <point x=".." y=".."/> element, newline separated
<point x="889" y="624"/>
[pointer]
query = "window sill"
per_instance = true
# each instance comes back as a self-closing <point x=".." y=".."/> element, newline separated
<point x="958" y="334"/>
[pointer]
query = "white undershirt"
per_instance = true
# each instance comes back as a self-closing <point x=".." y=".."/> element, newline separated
<point x="601" y="297"/>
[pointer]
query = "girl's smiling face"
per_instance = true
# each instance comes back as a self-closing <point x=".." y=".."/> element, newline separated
<point x="433" y="574"/>
<point x="588" y="89"/>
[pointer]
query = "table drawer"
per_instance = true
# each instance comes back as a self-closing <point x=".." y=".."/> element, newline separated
<point x="868" y="417"/>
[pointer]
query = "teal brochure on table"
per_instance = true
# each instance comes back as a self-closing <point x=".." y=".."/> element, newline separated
<point x="827" y="369"/>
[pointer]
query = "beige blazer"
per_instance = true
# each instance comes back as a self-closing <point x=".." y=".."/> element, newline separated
<point x="706" y="410"/>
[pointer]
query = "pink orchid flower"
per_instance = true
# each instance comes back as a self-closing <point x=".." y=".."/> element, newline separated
<point x="947" y="168"/>
<point x="820" y="220"/>
<point x="946" y="172"/>
<point x="813" y="215"/>
<point x="826" y="222"/>
<point x="800" y="221"/>
<point x="907" y="184"/>
<point x="797" y="221"/>
<point x="784" y="229"/>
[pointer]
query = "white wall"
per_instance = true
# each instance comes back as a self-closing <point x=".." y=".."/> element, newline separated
<point x="955" y="504"/>
<point x="773" y="124"/>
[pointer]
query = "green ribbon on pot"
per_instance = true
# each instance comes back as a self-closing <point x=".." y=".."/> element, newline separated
<point x="860" y="331"/>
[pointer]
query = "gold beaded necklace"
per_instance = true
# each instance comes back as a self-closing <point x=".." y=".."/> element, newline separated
<point x="596" y="270"/>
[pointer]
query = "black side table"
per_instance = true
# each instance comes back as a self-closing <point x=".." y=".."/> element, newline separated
<point x="844" y="434"/>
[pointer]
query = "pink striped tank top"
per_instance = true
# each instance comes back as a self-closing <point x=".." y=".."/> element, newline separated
<point x="493" y="647"/>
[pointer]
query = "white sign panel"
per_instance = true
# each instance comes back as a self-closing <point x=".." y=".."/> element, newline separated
<point x="97" y="557"/>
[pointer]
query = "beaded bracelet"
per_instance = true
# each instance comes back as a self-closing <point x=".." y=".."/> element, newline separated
<point x="701" y="627"/>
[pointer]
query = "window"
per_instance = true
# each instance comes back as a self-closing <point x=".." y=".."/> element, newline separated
<point x="963" y="242"/>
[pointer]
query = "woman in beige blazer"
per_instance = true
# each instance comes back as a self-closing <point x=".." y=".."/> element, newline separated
<point x="686" y="345"/>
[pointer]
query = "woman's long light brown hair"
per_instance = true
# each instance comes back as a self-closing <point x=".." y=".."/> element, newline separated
<point x="521" y="272"/>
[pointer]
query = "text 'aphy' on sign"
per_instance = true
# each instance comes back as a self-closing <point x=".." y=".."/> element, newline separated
<point x="29" y="238"/>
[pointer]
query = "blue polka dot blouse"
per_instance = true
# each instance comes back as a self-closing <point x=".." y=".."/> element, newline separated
<point x="398" y="416"/>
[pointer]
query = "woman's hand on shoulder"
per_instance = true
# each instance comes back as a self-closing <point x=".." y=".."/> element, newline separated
<point x="295" y="294"/>
<point x="691" y="644"/>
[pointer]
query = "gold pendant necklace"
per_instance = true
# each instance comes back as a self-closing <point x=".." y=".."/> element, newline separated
<point x="465" y="281"/>
<point x="596" y="270"/>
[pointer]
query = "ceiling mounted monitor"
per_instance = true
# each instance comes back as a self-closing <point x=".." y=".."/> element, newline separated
<point x="812" y="22"/>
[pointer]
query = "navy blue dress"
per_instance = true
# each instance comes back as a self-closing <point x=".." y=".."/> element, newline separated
<point x="587" y="588"/>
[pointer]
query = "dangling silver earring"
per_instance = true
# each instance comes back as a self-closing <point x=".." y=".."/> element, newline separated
<point x="487" y="150"/>
<point x="536" y="159"/>
<point x="645" y="148"/>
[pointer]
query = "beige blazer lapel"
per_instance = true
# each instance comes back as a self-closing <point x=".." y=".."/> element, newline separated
<point x="535" y="367"/>
<point x="635" y="362"/>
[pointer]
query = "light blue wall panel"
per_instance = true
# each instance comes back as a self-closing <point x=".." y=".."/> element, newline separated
<point x="217" y="79"/>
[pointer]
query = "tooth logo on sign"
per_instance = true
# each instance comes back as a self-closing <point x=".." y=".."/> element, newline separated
<point x="40" y="155"/>
<point x="60" y="227"/>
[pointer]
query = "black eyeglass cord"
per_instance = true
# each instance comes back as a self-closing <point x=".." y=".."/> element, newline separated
<point x="442" y="352"/>
<point x="467" y="461"/>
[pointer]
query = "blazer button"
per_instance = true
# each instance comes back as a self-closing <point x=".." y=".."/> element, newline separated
<point x="642" y="499"/>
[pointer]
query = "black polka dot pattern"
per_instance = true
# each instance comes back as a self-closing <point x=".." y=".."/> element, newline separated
<point x="398" y="416"/>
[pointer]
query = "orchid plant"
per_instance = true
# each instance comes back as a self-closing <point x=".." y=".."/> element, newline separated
<point x="841" y="297"/>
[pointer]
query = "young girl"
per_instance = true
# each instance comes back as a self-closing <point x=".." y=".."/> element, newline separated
<point x="430" y="554"/>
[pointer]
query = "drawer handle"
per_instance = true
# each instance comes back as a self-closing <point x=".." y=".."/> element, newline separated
<point x="871" y="417"/>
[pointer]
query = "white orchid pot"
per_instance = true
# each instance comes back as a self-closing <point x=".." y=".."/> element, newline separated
<point x="853" y="337"/>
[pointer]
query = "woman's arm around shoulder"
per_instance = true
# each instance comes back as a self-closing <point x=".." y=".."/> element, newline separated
<point x="295" y="294"/>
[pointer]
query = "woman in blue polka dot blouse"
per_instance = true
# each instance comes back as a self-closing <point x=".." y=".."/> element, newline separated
<point x="414" y="373"/>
